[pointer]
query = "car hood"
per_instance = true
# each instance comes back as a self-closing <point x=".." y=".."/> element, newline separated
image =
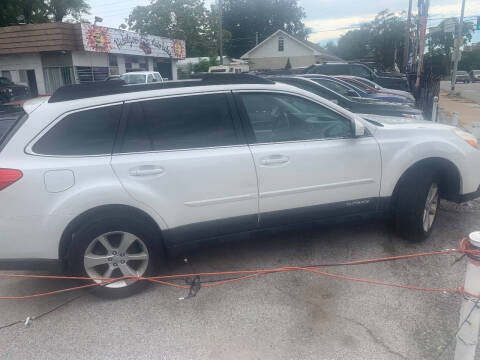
<point x="416" y="121"/>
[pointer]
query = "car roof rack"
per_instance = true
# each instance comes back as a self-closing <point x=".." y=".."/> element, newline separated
<point x="94" y="89"/>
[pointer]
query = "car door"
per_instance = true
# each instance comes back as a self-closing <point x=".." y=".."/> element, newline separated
<point x="184" y="157"/>
<point x="309" y="164"/>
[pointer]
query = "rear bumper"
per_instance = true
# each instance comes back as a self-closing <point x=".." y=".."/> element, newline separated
<point x="31" y="264"/>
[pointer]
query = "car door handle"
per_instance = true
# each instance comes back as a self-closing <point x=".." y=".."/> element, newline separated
<point x="275" y="160"/>
<point x="146" y="170"/>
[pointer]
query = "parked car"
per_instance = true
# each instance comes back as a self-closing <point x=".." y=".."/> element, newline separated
<point x="371" y="87"/>
<point x="462" y="76"/>
<point x="356" y="90"/>
<point x="11" y="92"/>
<point x="475" y="75"/>
<point x="113" y="78"/>
<point x="104" y="184"/>
<point x="393" y="82"/>
<point x="355" y="105"/>
<point x="141" y="77"/>
<point x="378" y="87"/>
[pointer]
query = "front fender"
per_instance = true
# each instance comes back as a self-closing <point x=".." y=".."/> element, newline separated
<point x="399" y="156"/>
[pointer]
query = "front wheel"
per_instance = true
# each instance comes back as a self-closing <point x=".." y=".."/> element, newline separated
<point x="418" y="200"/>
<point x="114" y="248"/>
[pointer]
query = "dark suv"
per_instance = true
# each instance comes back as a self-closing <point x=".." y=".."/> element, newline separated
<point x="389" y="81"/>
<point x="10" y="91"/>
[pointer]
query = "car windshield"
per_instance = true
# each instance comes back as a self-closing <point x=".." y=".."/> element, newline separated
<point x="133" y="78"/>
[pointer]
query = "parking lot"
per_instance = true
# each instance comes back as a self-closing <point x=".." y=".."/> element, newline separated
<point x="280" y="316"/>
<point x="469" y="91"/>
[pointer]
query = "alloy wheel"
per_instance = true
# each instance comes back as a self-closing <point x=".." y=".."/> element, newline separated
<point x="431" y="207"/>
<point x="114" y="255"/>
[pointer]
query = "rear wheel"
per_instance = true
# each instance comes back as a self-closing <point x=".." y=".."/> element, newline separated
<point x="418" y="200"/>
<point x="114" y="248"/>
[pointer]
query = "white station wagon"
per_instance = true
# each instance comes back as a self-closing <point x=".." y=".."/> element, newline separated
<point x="102" y="178"/>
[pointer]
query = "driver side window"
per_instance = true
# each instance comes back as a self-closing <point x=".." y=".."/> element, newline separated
<point x="280" y="117"/>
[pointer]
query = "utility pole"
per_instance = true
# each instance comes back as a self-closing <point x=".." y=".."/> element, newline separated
<point x="457" y="48"/>
<point x="220" y="31"/>
<point x="422" y="28"/>
<point x="406" y="46"/>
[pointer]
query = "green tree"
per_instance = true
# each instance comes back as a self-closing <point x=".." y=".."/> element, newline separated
<point x="244" y="18"/>
<point x="440" y="45"/>
<point x="380" y="40"/>
<point x="442" y="42"/>
<point x="32" y="11"/>
<point x="59" y="9"/>
<point x="386" y="38"/>
<point x="470" y="60"/>
<point x="288" y="65"/>
<point x="179" y="19"/>
<point x="211" y="32"/>
<point x="40" y="11"/>
<point x="354" y="44"/>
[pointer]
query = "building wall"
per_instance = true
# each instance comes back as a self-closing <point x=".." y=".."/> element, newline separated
<point x="89" y="58"/>
<point x="16" y="62"/>
<point x="268" y="63"/>
<point x="269" y="49"/>
<point x="56" y="59"/>
<point x="121" y="64"/>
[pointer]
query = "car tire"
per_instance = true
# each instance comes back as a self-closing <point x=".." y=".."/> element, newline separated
<point x="417" y="204"/>
<point x="121" y="246"/>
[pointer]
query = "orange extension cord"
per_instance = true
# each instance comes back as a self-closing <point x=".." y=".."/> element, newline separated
<point x="248" y="274"/>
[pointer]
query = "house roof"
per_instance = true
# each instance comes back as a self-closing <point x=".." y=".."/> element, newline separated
<point x="316" y="49"/>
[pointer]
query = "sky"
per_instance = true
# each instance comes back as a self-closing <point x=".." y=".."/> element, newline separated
<point x="328" y="19"/>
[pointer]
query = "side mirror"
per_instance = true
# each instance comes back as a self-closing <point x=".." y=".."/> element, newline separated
<point x="359" y="128"/>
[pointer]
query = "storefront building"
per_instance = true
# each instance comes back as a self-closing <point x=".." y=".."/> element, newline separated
<point x="47" y="56"/>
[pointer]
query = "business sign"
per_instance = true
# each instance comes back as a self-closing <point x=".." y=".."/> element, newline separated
<point x="116" y="41"/>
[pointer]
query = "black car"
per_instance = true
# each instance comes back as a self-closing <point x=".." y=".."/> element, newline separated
<point x="397" y="81"/>
<point x="359" y="106"/>
<point x="11" y="92"/>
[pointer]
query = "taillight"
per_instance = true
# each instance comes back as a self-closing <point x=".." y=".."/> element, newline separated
<point x="8" y="177"/>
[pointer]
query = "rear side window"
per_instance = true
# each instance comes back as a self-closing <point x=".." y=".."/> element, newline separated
<point x="8" y="119"/>
<point x="179" y="123"/>
<point x="88" y="132"/>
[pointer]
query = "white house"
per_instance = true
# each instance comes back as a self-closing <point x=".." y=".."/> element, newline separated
<point x="275" y="51"/>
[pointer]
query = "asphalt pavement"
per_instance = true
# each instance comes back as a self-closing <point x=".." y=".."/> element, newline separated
<point x="279" y="316"/>
<point x="469" y="91"/>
